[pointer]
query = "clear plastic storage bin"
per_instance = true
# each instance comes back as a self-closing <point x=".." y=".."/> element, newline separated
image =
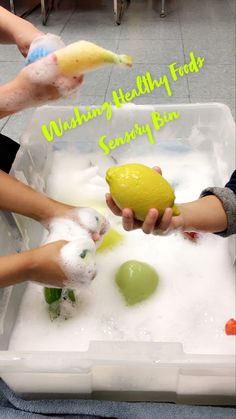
<point x="119" y="370"/>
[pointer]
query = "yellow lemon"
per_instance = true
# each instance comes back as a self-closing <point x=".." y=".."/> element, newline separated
<point x="140" y="188"/>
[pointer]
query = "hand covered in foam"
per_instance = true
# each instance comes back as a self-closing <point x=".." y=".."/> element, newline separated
<point x="64" y="265"/>
<point x="77" y="258"/>
<point x="73" y="220"/>
<point x="93" y="222"/>
<point x="40" y="82"/>
<point x="42" y="46"/>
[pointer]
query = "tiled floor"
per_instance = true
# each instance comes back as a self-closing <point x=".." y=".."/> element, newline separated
<point x="206" y="27"/>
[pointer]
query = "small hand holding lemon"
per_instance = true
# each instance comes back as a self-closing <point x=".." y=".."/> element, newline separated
<point x="155" y="221"/>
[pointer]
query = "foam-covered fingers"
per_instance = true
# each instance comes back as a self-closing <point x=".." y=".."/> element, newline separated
<point x="96" y="237"/>
<point x="150" y="221"/>
<point x="67" y="86"/>
<point x="70" y="83"/>
<point x="92" y="221"/>
<point x="111" y="204"/>
<point x="77" y="259"/>
<point x="43" y="71"/>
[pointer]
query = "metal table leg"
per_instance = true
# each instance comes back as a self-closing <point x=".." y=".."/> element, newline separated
<point x="12" y="6"/>
<point x="163" y="12"/>
<point x="119" y="10"/>
<point x="46" y="8"/>
<point x="115" y="7"/>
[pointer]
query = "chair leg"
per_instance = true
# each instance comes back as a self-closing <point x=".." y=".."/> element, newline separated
<point x="163" y="12"/>
<point x="124" y="4"/>
<point x="45" y="11"/>
<point x="115" y="7"/>
<point x="12" y="6"/>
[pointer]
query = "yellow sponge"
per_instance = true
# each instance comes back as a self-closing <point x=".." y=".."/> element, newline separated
<point x="82" y="56"/>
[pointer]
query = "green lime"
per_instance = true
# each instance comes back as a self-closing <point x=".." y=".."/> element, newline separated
<point x="136" y="280"/>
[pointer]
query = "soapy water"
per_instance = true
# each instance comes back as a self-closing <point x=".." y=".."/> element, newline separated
<point x="79" y="222"/>
<point x="195" y="295"/>
<point x="77" y="260"/>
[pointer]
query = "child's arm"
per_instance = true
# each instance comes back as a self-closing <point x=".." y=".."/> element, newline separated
<point x="39" y="82"/>
<point x="22" y="199"/>
<point x="214" y="212"/>
<point x="41" y="265"/>
<point x="14" y="30"/>
<point x="197" y="215"/>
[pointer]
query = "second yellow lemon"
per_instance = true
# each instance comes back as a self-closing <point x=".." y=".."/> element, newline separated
<point x="140" y="188"/>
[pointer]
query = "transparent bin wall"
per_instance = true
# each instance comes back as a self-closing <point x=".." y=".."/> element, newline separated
<point x="212" y="124"/>
<point x="121" y="370"/>
<point x="206" y="127"/>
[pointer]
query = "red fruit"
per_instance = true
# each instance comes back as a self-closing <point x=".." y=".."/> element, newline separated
<point x="230" y="327"/>
<point x="191" y="235"/>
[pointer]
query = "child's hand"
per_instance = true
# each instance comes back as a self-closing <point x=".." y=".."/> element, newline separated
<point x="88" y="218"/>
<point x="40" y="82"/>
<point x="150" y="224"/>
<point x="44" y="265"/>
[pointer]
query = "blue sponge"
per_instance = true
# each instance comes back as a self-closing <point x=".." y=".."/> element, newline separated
<point x="37" y="54"/>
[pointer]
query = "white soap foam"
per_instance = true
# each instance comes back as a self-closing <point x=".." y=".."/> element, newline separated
<point x="92" y="221"/>
<point x="66" y="229"/>
<point x="80" y="173"/>
<point x="195" y="295"/>
<point x="77" y="258"/>
<point x="46" y="72"/>
<point x="79" y="222"/>
<point x="43" y="71"/>
<point x="78" y="262"/>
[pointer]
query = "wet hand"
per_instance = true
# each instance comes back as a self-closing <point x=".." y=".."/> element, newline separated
<point x="40" y="82"/>
<point x="45" y="265"/>
<point x="88" y="218"/>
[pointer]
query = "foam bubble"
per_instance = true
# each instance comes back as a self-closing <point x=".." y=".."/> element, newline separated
<point x="43" y="71"/>
<point x="77" y="260"/>
<point x="66" y="229"/>
<point x="42" y="46"/>
<point x="92" y="221"/>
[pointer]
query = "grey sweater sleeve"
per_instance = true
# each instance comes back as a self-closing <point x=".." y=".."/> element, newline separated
<point x="228" y="199"/>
